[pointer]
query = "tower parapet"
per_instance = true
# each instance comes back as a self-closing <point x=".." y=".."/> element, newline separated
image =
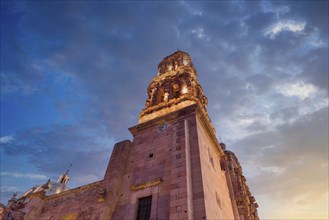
<point x="176" y="86"/>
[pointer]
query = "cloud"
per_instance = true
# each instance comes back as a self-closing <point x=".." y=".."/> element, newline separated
<point x="316" y="62"/>
<point x="280" y="26"/>
<point x="6" y="139"/>
<point x="198" y="32"/>
<point x="287" y="167"/>
<point x="24" y="175"/>
<point x="298" y="89"/>
<point x="9" y="189"/>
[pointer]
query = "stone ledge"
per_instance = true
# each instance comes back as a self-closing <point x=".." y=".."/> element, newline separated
<point x="146" y="185"/>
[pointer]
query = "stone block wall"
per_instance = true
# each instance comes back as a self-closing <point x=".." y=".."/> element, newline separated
<point x="177" y="160"/>
<point x="170" y="160"/>
<point x="216" y="193"/>
<point x="115" y="177"/>
<point x="148" y="171"/>
<point x="84" y="202"/>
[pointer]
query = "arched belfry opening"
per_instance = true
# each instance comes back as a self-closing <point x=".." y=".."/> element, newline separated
<point x="159" y="95"/>
<point x="175" y="90"/>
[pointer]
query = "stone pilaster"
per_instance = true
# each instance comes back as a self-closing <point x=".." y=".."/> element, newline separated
<point x="113" y="177"/>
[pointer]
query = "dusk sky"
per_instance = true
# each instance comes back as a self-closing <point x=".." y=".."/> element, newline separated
<point x="74" y="77"/>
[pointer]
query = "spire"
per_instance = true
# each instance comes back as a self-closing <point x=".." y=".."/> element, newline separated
<point x="175" y="86"/>
<point x="64" y="178"/>
<point x="67" y="171"/>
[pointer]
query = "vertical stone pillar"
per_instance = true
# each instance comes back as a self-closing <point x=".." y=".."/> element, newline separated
<point x="181" y="201"/>
<point x="188" y="172"/>
<point x="113" y="177"/>
<point x="178" y="193"/>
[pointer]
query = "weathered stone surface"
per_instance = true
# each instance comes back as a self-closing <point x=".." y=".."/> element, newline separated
<point x="239" y="190"/>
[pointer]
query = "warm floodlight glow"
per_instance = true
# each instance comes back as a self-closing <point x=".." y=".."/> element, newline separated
<point x="184" y="90"/>
<point x="166" y="97"/>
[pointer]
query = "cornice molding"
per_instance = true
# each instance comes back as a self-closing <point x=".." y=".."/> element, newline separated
<point x="146" y="185"/>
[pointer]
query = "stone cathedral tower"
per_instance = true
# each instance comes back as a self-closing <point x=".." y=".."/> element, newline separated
<point x="174" y="168"/>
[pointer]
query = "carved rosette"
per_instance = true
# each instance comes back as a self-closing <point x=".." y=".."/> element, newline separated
<point x="176" y="86"/>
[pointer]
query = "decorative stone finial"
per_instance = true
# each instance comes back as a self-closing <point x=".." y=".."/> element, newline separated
<point x="67" y="171"/>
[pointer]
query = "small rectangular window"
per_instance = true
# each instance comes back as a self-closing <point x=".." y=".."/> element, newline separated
<point x="144" y="208"/>
<point x="151" y="154"/>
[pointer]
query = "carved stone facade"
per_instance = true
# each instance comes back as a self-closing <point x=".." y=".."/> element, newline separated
<point x="174" y="162"/>
<point x="245" y="202"/>
<point x="176" y="86"/>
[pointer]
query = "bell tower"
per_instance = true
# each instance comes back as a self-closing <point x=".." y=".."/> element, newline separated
<point x="175" y="87"/>
<point x="175" y="168"/>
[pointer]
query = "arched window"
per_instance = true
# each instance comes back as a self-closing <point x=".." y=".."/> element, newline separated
<point x="175" y="90"/>
<point x="159" y="96"/>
